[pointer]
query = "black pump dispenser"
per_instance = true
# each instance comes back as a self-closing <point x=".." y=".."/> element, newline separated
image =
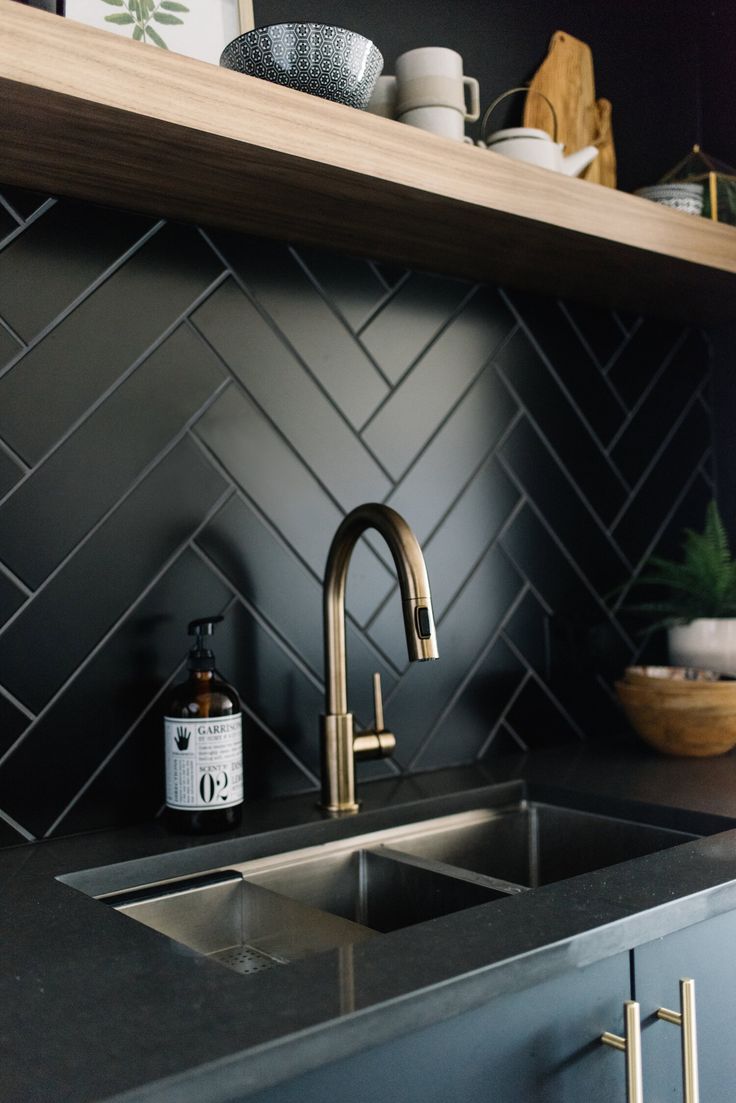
<point x="204" y="744"/>
<point x="200" y="657"/>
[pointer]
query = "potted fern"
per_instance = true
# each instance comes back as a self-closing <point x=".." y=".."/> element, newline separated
<point x="699" y="607"/>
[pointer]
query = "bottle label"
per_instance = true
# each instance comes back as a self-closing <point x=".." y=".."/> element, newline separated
<point x="204" y="762"/>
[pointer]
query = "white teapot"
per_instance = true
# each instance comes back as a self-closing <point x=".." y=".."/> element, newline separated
<point x="536" y="147"/>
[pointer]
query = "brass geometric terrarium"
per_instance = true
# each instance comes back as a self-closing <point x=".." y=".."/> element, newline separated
<point x="718" y="179"/>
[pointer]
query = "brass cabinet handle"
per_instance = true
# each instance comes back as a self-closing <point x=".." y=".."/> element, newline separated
<point x="630" y="1044"/>
<point x="685" y="1019"/>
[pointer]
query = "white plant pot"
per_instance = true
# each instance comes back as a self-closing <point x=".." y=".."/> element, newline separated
<point x="708" y="642"/>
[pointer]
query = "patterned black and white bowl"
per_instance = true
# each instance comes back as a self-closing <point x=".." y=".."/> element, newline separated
<point x="325" y="61"/>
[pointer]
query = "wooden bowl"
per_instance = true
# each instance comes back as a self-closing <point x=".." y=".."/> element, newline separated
<point x="698" y="721"/>
<point x="668" y="680"/>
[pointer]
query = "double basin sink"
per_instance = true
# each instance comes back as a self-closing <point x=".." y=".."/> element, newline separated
<point x="274" y="910"/>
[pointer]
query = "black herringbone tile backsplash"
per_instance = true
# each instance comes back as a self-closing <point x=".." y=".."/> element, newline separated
<point x="185" y="418"/>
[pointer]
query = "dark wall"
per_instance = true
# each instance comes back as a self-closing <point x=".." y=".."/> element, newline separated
<point x="184" y="420"/>
<point x="666" y="67"/>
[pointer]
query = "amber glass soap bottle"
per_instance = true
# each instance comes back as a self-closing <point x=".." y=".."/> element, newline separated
<point x="204" y="745"/>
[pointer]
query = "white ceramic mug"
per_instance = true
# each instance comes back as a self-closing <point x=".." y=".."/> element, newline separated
<point x="431" y="91"/>
<point x="383" y="100"/>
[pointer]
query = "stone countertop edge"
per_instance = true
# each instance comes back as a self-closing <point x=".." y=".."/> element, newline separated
<point x="556" y="927"/>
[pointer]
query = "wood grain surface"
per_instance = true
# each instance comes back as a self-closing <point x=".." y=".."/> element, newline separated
<point x="566" y="78"/>
<point x="92" y="115"/>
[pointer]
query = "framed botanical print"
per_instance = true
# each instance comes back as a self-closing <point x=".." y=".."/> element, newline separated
<point x="197" y="28"/>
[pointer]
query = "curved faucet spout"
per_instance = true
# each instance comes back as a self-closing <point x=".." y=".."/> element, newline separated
<point x="338" y="786"/>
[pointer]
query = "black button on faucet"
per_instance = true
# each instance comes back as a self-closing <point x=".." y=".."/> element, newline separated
<point x="424" y="624"/>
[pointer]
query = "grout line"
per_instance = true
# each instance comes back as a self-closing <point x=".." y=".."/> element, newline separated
<point x="19" y="583"/>
<point x="474" y="667"/>
<point x="567" y="394"/>
<point x="280" y="640"/>
<point x="322" y="292"/>
<point x="630" y="334"/>
<point x="16" y="458"/>
<point x="25" y="222"/>
<point x="142" y="475"/>
<point x="17" y="704"/>
<point x="4" y="324"/>
<point x="649" y="388"/>
<point x="386" y="298"/>
<point x="565" y="554"/>
<point x="402" y="379"/>
<point x="17" y="827"/>
<point x="13" y="214"/>
<point x="95" y="650"/>
<point x="502" y="720"/>
<point x="293" y="351"/>
<point x="282" y="746"/>
<point x="570" y="480"/>
<point x="655" y="458"/>
<point x="114" y="386"/>
<point x="86" y="294"/>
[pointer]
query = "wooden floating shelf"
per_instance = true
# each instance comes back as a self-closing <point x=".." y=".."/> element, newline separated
<point x="92" y="115"/>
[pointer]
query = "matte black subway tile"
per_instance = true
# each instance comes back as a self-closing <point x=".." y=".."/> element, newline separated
<point x="7" y="223"/>
<point x="23" y="201"/>
<point x="58" y="257"/>
<point x="42" y="522"/>
<point x="538" y="721"/>
<point x="92" y="347"/>
<point x="690" y="512"/>
<point x="65" y="747"/>
<point x="576" y="370"/>
<point x="13" y="723"/>
<point x="578" y="449"/>
<point x="480" y="706"/>
<point x="453" y="552"/>
<point x="652" y="422"/>
<point x="537" y="555"/>
<point x="272" y="686"/>
<point x="9" y="836"/>
<point x="82" y="602"/>
<point x="9" y="347"/>
<point x="558" y="500"/>
<point x="462" y="635"/>
<point x="528" y="630"/>
<point x="323" y="341"/>
<point x="270" y="577"/>
<point x="11" y="598"/>
<point x="474" y="520"/>
<point x="401" y="330"/>
<point x="648" y="509"/>
<point x="598" y="328"/>
<point x="452" y="455"/>
<point x="10" y="472"/>
<point x="650" y="343"/>
<point x="261" y="462"/>
<point x="352" y="286"/>
<point x="290" y="397"/>
<point x="418" y="406"/>
<point x="129" y="787"/>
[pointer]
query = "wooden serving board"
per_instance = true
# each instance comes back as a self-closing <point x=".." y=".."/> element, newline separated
<point x="566" y="78"/>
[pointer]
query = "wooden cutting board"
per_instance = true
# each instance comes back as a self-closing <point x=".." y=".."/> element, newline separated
<point x="566" y="78"/>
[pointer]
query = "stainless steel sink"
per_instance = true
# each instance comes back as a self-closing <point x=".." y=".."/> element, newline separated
<point x="277" y="909"/>
<point x="536" y="844"/>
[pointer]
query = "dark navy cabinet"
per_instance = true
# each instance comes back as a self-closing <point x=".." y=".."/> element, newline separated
<point x="540" y="1044"/>
<point x="705" y="952"/>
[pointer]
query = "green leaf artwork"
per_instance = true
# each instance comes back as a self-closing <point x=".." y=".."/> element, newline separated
<point x="140" y="14"/>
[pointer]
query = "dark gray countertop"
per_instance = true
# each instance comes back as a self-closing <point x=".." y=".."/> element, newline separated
<point x="95" y="1007"/>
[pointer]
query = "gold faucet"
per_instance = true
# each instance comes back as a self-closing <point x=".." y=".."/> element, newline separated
<point x="339" y="745"/>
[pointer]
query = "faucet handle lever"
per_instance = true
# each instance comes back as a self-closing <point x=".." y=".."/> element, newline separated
<point x="376" y="742"/>
<point x="378" y="725"/>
